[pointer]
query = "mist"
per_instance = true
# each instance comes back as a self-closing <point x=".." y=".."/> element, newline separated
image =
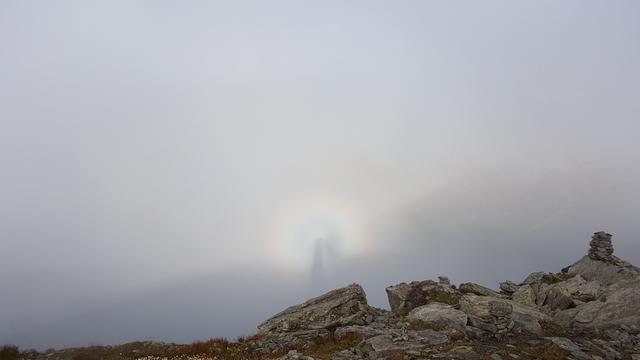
<point x="169" y="169"/>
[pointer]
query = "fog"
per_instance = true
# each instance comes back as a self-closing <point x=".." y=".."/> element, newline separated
<point x="178" y="171"/>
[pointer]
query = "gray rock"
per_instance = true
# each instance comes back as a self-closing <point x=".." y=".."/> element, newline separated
<point x="488" y="313"/>
<point x="500" y="308"/>
<point x="580" y="289"/>
<point x="571" y="347"/>
<point x="558" y="298"/>
<point x="439" y="315"/>
<point x="459" y="353"/>
<point x="405" y="297"/>
<point x="524" y="295"/>
<point x="365" y="331"/>
<point x="295" y="355"/>
<point x="525" y="318"/>
<point x="619" y="306"/>
<point x="604" y="272"/>
<point x="534" y="277"/>
<point x="428" y="337"/>
<point x="541" y="290"/>
<point x="471" y="288"/>
<point x="475" y="333"/>
<point x="414" y="340"/>
<point x="341" y="307"/>
<point x="346" y="355"/>
<point x="509" y="287"/>
<point x="400" y="295"/>
<point x="281" y="341"/>
<point x="443" y="280"/>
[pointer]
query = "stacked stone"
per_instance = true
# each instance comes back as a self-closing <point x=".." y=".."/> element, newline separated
<point x="601" y="247"/>
<point x="502" y="312"/>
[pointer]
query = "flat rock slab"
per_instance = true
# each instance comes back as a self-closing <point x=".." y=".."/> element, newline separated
<point x="472" y="288"/>
<point x="413" y="341"/>
<point x="439" y="315"/>
<point x="605" y="272"/>
<point x="571" y="347"/>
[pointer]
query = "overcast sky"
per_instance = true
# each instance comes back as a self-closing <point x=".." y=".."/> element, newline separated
<point x="168" y="167"/>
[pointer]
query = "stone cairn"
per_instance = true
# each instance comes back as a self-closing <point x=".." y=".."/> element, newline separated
<point x="501" y="312"/>
<point x="601" y="247"/>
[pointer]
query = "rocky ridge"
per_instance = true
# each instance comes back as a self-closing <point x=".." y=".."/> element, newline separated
<point x="588" y="311"/>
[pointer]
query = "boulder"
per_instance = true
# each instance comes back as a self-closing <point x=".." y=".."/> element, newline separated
<point x="471" y="288"/>
<point x="525" y="318"/>
<point x="533" y="277"/>
<point x="439" y="316"/>
<point x="558" y="298"/>
<point x="618" y="306"/>
<point x="582" y="290"/>
<point x="509" y="287"/>
<point x="404" y="297"/>
<point x="341" y="307"/>
<point x="540" y="290"/>
<point x="571" y="347"/>
<point x="524" y="295"/>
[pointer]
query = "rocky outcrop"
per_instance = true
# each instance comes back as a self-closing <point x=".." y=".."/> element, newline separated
<point x="606" y="273"/>
<point x="616" y="307"/>
<point x="605" y="290"/>
<point x="341" y="307"/>
<point x="524" y="295"/>
<point x="509" y="287"/>
<point x="490" y="314"/>
<point x="383" y="345"/>
<point x="557" y="313"/>
<point x="404" y="297"/>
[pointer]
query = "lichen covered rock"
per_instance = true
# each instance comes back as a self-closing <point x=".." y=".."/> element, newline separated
<point x="341" y="307"/>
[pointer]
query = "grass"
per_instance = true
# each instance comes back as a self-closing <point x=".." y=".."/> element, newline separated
<point x="551" y="328"/>
<point x="323" y="347"/>
<point x="421" y="325"/>
<point x="320" y="348"/>
<point x="9" y="352"/>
